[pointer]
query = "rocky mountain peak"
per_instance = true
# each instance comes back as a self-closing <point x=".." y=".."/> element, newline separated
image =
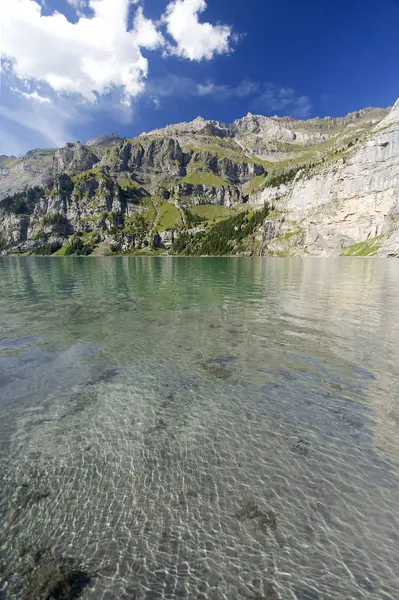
<point x="392" y="117"/>
<point x="333" y="182"/>
<point x="105" y="140"/>
<point x="74" y="157"/>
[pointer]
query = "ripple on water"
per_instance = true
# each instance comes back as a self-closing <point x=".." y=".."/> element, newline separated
<point x="236" y="472"/>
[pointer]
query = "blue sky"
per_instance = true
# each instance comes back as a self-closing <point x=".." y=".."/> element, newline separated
<point x="75" y="69"/>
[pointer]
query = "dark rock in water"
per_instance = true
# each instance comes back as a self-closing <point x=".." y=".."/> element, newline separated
<point x="264" y="520"/>
<point x="269" y="593"/>
<point x="103" y="376"/>
<point x="223" y="360"/>
<point x="307" y="594"/>
<point x="54" y="578"/>
<point x="28" y="497"/>
<point x="216" y="371"/>
<point x="80" y="402"/>
<point x="183" y="496"/>
<point x="188" y="384"/>
<point x="159" y="426"/>
<point x="217" y="367"/>
<point x="301" y="447"/>
<point x="169" y="399"/>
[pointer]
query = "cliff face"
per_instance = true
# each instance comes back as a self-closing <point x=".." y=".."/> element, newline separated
<point x="332" y="187"/>
<point x="348" y="206"/>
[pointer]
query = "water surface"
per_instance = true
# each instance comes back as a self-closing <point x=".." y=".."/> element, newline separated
<point x="201" y="428"/>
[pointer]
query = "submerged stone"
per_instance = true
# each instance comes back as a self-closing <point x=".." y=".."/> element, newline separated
<point x="159" y="426"/>
<point x="217" y="367"/>
<point x="252" y="512"/>
<point x="300" y="447"/>
<point x="54" y="578"/>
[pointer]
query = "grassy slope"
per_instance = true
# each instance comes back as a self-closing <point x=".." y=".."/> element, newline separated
<point x="368" y="248"/>
<point x="168" y="216"/>
<point x="165" y="215"/>
<point x="204" y="178"/>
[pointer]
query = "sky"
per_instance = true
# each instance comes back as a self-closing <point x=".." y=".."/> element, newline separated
<point x="77" y="69"/>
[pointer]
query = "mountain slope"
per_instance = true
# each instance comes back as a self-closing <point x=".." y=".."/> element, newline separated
<point x="259" y="185"/>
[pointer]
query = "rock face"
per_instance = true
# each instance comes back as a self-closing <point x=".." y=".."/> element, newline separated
<point x="73" y="157"/>
<point x="352" y="201"/>
<point x="332" y="185"/>
<point x="209" y="194"/>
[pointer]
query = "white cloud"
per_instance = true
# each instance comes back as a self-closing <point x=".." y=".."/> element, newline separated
<point x="195" y="40"/>
<point x="78" y="5"/>
<point x="88" y="57"/>
<point x="98" y="53"/>
<point x="147" y="35"/>
<point x="32" y="96"/>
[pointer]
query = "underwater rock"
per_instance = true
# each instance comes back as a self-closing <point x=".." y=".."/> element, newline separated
<point x="54" y="578"/>
<point x="264" y="520"/>
<point x="103" y="376"/>
<point x="184" y="496"/>
<point x="27" y="497"/>
<point x="269" y="593"/>
<point x="159" y="426"/>
<point x="79" y="402"/>
<point x="217" y="368"/>
<point x="300" y="447"/>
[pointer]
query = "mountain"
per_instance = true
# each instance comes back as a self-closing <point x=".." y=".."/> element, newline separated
<point x="257" y="186"/>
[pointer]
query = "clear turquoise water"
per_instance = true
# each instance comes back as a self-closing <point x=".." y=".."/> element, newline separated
<point x="202" y="428"/>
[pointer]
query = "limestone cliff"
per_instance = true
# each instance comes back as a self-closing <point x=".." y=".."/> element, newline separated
<point x="344" y="206"/>
<point x="260" y="185"/>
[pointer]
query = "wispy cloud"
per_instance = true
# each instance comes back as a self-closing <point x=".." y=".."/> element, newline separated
<point x="182" y="87"/>
<point x="275" y="99"/>
<point x="266" y="98"/>
<point x="51" y="124"/>
<point x="80" y="7"/>
<point x="223" y="92"/>
<point x="32" y="95"/>
<point x="41" y="117"/>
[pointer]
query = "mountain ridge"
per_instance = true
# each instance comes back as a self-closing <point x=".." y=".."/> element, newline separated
<point x="142" y="194"/>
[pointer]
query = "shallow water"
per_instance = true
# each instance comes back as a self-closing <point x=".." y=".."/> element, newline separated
<point x="201" y="428"/>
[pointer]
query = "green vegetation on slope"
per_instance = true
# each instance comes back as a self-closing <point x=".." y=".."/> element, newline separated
<point x="257" y="182"/>
<point x="223" y="148"/>
<point x="279" y="178"/>
<point x="56" y="219"/>
<point x="224" y="237"/>
<point x="22" y="203"/>
<point x="78" y="245"/>
<point x="96" y="172"/>
<point x="210" y="212"/>
<point x="367" y="248"/>
<point x="168" y="216"/>
<point x="204" y="178"/>
<point x="40" y="157"/>
<point x="46" y="249"/>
